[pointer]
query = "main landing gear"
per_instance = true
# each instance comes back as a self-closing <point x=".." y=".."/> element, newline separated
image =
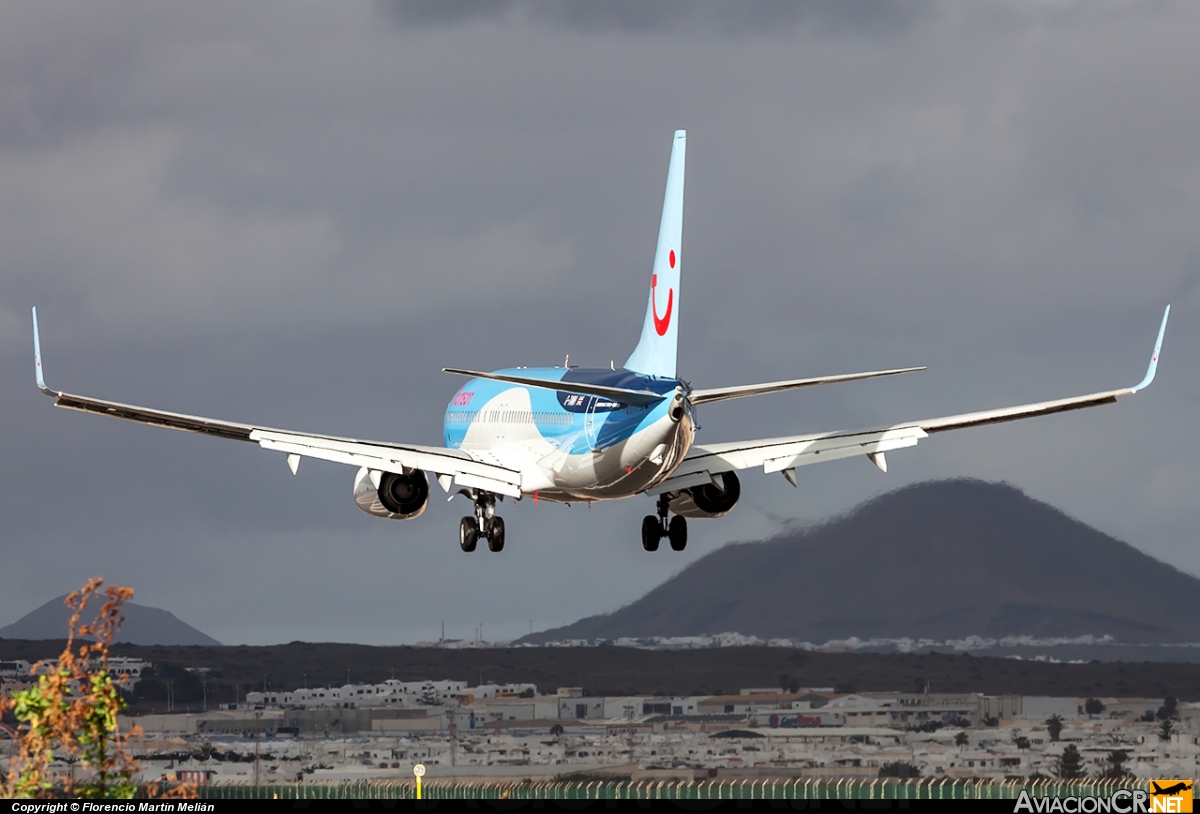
<point x="655" y="527"/>
<point x="486" y="523"/>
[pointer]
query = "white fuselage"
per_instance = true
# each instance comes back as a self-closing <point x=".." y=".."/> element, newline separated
<point x="569" y="456"/>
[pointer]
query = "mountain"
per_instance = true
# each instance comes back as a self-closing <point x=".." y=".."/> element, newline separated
<point x="143" y="625"/>
<point x="939" y="560"/>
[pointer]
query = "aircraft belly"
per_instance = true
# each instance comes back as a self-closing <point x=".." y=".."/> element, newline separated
<point x="623" y="469"/>
<point x="549" y="470"/>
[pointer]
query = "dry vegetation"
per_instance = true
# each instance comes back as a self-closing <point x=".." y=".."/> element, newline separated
<point x="70" y="715"/>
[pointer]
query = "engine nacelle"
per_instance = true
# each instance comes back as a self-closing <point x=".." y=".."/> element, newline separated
<point x="707" y="500"/>
<point x="391" y="495"/>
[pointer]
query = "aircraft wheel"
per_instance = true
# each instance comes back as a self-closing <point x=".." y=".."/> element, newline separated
<point x="677" y="533"/>
<point x="651" y="532"/>
<point x="468" y="534"/>
<point x="496" y="535"/>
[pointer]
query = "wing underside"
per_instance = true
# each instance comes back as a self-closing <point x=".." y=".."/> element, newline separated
<point x="452" y="467"/>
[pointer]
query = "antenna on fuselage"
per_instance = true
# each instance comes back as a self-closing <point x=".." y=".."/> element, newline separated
<point x="567" y="362"/>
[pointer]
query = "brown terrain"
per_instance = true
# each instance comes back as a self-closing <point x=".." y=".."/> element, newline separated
<point x="619" y="670"/>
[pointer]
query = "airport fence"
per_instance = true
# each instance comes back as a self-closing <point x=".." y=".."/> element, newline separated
<point x="774" y="789"/>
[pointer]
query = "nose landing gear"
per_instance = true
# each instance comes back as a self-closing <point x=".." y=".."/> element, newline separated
<point x="655" y="527"/>
<point x="486" y="523"/>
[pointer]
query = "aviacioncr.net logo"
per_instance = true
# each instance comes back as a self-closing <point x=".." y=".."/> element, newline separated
<point x="1122" y="801"/>
<point x="1163" y="796"/>
<point x="1173" y="796"/>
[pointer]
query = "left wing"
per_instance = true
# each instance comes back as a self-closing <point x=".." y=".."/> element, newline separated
<point x="706" y="463"/>
<point x="451" y="466"/>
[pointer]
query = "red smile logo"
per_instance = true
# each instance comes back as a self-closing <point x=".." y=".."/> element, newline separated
<point x="662" y="323"/>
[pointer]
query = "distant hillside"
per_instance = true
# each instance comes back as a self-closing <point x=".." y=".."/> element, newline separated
<point x="143" y="625"/>
<point x="629" y="671"/>
<point x="937" y="560"/>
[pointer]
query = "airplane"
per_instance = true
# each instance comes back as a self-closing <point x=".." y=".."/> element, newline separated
<point x="1170" y="791"/>
<point x="582" y="435"/>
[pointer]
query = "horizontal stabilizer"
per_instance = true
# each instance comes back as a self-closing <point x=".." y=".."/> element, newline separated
<point x="640" y="398"/>
<point x="741" y="391"/>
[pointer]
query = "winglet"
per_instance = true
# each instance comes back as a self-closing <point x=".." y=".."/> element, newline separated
<point x="1153" y="367"/>
<point x="37" y="358"/>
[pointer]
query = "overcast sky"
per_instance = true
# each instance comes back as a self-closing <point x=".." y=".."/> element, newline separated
<point x="297" y="214"/>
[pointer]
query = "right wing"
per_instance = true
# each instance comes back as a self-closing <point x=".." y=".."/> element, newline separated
<point x="451" y="466"/>
<point x="705" y="463"/>
<point x="743" y="390"/>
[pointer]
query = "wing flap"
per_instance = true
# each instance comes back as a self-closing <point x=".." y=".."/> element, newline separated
<point x="393" y="458"/>
<point x="488" y="485"/>
<point x="784" y="454"/>
<point x="844" y="447"/>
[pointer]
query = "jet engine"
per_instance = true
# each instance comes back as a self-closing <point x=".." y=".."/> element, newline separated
<point x="707" y="500"/>
<point x="390" y="494"/>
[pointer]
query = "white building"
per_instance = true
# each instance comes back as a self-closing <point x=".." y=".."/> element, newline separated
<point x="18" y="669"/>
<point x="390" y="693"/>
<point x="618" y="707"/>
<point x="124" y="666"/>
<point x="538" y="708"/>
<point x="118" y="666"/>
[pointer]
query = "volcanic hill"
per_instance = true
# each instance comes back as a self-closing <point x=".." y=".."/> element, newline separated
<point x="939" y="560"/>
<point x="143" y="625"/>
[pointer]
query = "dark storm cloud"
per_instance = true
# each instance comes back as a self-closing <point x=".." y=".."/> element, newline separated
<point x="298" y="215"/>
<point x="706" y="17"/>
<point x="46" y="98"/>
<point x="433" y="13"/>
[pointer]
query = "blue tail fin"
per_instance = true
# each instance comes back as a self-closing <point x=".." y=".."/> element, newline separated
<point x="655" y="353"/>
